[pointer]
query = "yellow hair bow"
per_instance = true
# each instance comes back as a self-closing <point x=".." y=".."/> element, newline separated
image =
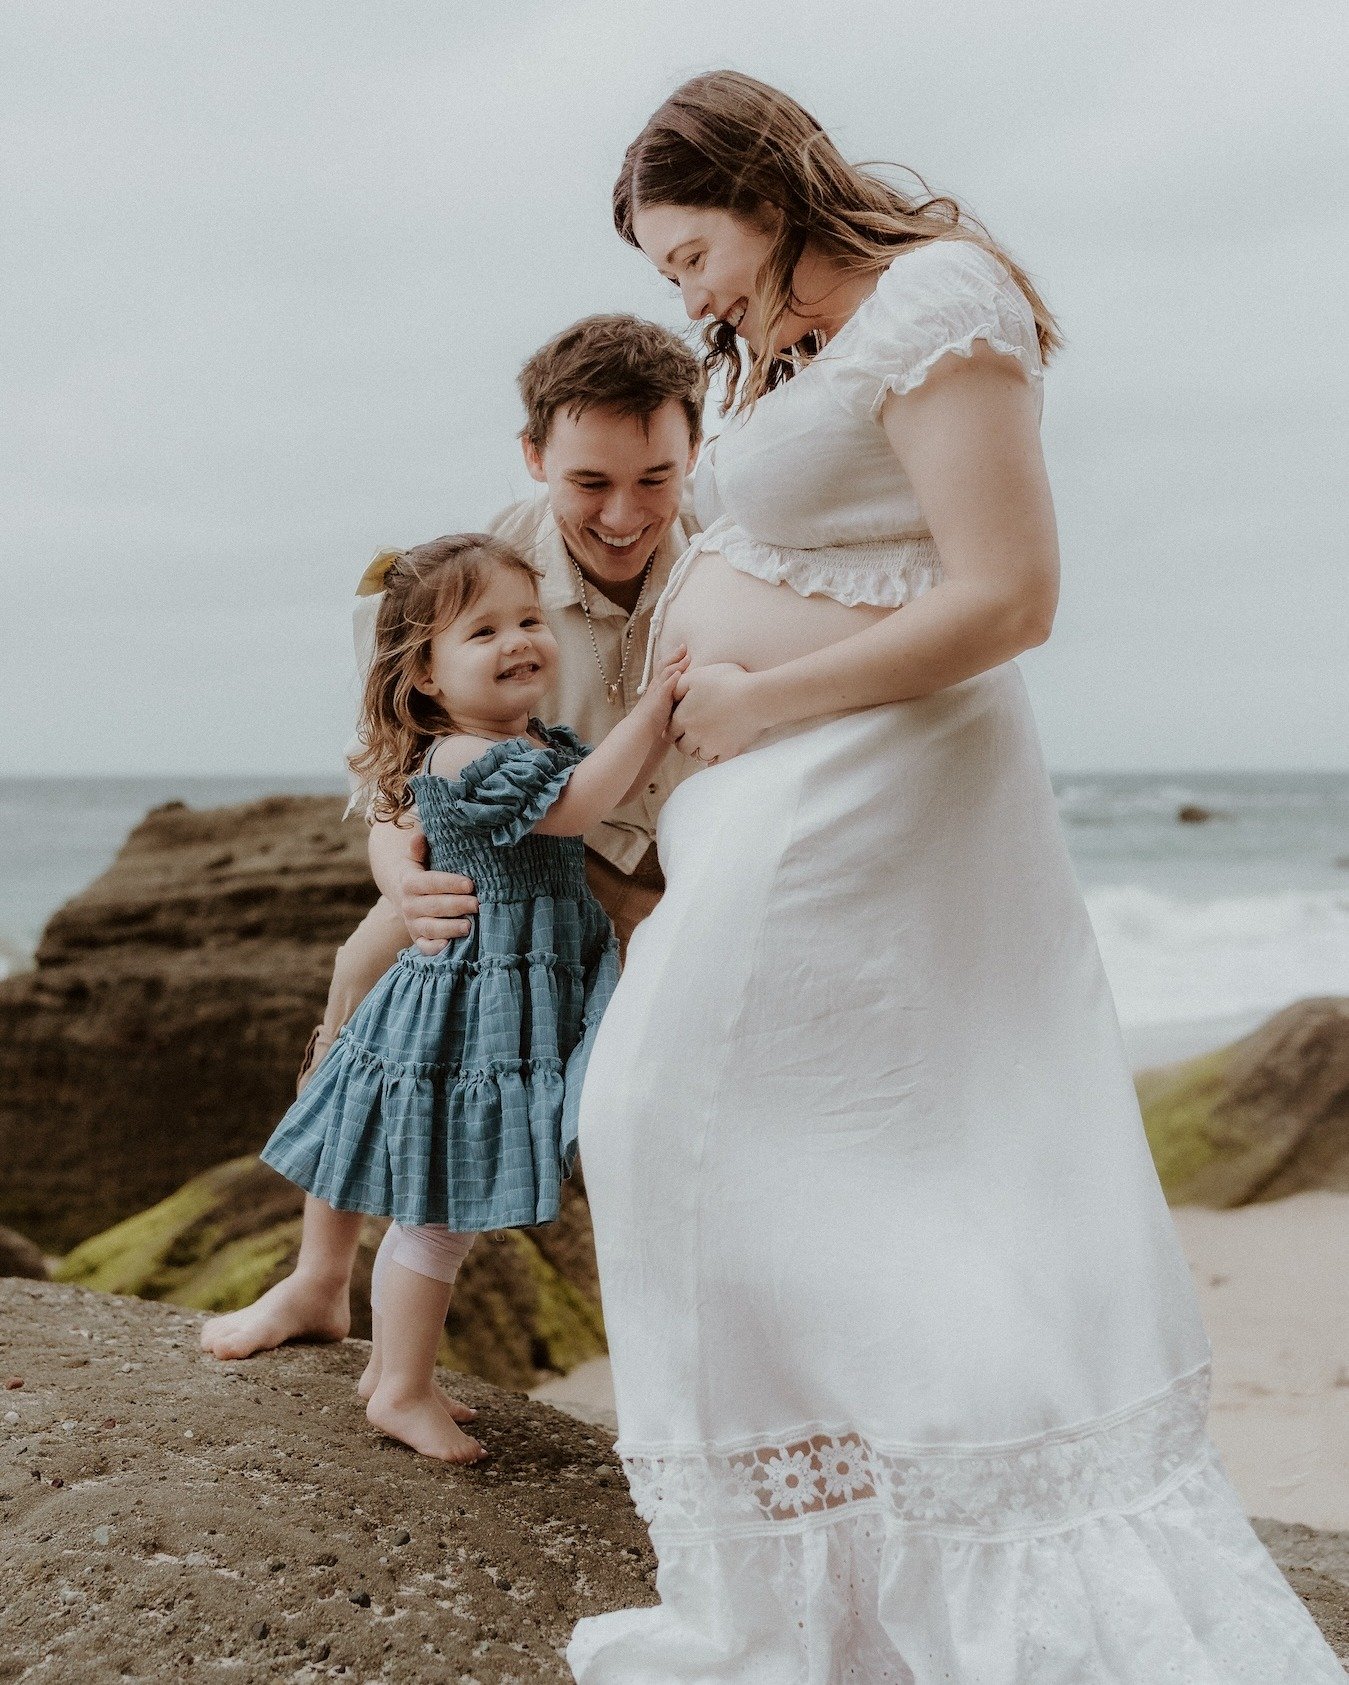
<point x="375" y="576"/>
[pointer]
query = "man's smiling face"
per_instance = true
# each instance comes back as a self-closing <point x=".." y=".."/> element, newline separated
<point x="615" y="483"/>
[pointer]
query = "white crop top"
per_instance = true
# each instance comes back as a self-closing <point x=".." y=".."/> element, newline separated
<point x="807" y="490"/>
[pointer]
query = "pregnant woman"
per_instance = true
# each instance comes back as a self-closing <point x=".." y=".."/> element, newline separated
<point x="911" y="1385"/>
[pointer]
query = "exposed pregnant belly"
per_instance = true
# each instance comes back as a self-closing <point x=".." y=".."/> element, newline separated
<point x="722" y="614"/>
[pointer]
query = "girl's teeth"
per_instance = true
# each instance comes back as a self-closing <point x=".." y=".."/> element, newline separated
<point x="618" y="543"/>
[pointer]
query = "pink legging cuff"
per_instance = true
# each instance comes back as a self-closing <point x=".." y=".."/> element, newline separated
<point x="428" y="1250"/>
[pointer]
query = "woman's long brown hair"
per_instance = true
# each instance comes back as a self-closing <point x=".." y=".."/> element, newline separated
<point x="727" y="142"/>
<point x="425" y="588"/>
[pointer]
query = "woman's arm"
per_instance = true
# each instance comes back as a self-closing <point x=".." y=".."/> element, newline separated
<point x="969" y="442"/>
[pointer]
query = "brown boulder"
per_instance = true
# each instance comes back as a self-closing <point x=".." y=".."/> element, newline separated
<point x="161" y="1026"/>
<point x="1265" y="1117"/>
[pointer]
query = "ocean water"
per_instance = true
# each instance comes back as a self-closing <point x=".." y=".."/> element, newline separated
<point x="1204" y="928"/>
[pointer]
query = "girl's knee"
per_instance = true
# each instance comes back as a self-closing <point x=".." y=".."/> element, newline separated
<point x="432" y="1250"/>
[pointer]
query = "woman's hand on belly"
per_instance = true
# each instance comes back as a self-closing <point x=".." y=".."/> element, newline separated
<point x="715" y="717"/>
<point x="734" y="626"/>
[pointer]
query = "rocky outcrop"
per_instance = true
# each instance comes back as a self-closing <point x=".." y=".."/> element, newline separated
<point x="165" y="1515"/>
<point x="1265" y="1117"/>
<point x="526" y="1304"/>
<point x="161" y="1026"/>
<point x="159" y="1034"/>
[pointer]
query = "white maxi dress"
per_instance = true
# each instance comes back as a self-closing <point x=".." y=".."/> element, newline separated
<point x="910" y="1379"/>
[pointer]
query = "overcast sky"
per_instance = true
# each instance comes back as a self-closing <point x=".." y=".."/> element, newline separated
<point x="271" y="266"/>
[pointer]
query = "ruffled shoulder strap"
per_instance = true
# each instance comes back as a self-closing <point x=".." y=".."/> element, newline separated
<point x="944" y="297"/>
<point x="506" y="791"/>
<point x="562" y="738"/>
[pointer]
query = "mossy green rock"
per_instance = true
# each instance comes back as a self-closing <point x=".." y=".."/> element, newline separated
<point x="526" y="1304"/>
<point x="1266" y="1117"/>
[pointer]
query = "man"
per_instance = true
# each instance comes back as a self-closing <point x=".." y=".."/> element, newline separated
<point x="613" y="411"/>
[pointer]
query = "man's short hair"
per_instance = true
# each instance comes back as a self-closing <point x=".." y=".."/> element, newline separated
<point x="617" y="363"/>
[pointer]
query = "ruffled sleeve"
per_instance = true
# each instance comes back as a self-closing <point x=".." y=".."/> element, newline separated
<point x="505" y="792"/>
<point x="944" y="297"/>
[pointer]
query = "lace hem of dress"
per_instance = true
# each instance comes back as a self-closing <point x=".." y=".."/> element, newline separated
<point x="884" y="573"/>
<point x="1179" y="1589"/>
<point x="1010" y="1490"/>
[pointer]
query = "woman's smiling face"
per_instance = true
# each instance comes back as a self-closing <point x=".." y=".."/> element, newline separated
<point x="714" y="258"/>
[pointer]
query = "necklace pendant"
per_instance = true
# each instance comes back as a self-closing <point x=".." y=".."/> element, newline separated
<point x="612" y="692"/>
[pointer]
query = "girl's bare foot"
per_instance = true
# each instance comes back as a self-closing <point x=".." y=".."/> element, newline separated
<point x="295" y="1309"/>
<point x="365" y="1387"/>
<point x="421" y="1420"/>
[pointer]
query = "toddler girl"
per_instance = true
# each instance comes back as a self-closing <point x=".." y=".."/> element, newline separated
<point x="449" y="1101"/>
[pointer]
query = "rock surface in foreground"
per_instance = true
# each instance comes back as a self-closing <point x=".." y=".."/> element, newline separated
<point x="163" y="1516"/>
<point x="180" y="1516"/>
<point x="1261" y="1119"/>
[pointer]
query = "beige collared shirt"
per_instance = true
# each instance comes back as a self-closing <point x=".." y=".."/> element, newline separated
<point x="578" y="699"/>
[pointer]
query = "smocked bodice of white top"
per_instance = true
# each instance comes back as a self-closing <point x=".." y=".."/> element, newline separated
<point x="807" y="490"/>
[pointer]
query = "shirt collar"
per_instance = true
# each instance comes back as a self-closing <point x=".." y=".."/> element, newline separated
<point x="560" y="587"/>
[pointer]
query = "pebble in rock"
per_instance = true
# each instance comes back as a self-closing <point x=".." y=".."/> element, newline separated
<point x="14" y="1383"/>
<point x="102" y="1535"/>
<point x="360" y="1598"/>
<point x="259" y="1629"/>
<point x="402" y="1537"/>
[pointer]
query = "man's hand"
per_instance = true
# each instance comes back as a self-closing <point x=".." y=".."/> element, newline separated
<point x="717" y="715"/>
<point x="437" y="907"/>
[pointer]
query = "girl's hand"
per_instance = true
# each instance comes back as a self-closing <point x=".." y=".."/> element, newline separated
<point x="654" y="707"/>
<point x="717" y="714"/>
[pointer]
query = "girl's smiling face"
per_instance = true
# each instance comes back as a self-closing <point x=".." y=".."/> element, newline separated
<point x="492" y="665"/>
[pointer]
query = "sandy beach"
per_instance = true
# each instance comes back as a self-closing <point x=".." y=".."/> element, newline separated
<point x="1271" y="1281"/>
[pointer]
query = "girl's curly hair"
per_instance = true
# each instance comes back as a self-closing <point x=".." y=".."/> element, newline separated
<point x="425" y="588"/>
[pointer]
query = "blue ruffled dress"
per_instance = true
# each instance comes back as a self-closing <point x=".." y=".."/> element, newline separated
<point x="451" y="1095"/>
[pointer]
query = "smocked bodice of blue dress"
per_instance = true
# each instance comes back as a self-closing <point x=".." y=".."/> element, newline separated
<point x="481" y="822"/>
